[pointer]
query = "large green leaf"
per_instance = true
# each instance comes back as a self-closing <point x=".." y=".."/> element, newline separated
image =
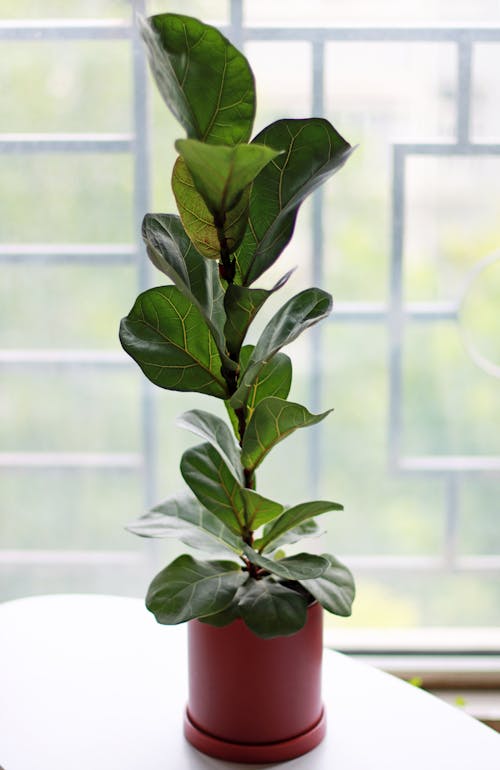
<point x="292" y="517"/>
<point x="225" y="617"/>
<point x="199" y="222"/>
<point x="221" y="173"/>
<point x="334" y="589"/>
<point x="242" y="305"/>
<point x="204" y="80"/>
<point x="296" y="315"/>
<point x="215" y="486"/>
<point x="188" y="589"/>
<point x="259" y="510"/>
<point x="301" y="566"/>
<point x="270" y="609"/>
<point x="171" y="251"/>
<point x="273" y="420"/>
<point x="217" y="433"/>
<point x="169" y="339"/>
<point x="312" y="151"/>
<point x="182" y="517"/>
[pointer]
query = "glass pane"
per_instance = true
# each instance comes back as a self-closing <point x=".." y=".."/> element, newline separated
<point x="211" y="11"/>
<point x="283" y="90"/>
<point x="58" y="73"/>
<point x="486" y="93"/>
<point x="67" y="198"/>
<point x="76" y="509"/>
<point x="450" y="224"/>
<point x="436" y="598"/>
<point x="76" y="409"/>
<point x="478" y="531"/>
<point x="37" y="305"/>
<point x="41" y="9"/>
<point x="384" y="513"/>
<point x="449" y="404"/>
<point x="282" y="13"/>
<point x="372" y="105"/>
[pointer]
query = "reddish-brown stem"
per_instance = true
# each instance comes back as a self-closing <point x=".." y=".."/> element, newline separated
<point x="227" y="271"/>
<point x="252" y="569"/>
<point x="227" y="266"/>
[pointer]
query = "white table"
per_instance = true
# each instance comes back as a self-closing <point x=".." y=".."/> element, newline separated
<point x="93" y="683"/>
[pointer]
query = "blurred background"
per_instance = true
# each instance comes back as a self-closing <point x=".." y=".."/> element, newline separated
<point x="406" y="238"/>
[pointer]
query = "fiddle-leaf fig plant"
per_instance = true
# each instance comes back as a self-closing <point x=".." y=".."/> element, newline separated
<point x="238" y="202"/>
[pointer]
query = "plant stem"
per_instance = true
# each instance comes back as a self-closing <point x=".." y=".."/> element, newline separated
<point x="227" y="271"/>
<point x="240" y="414"/>
<point x="227" y="266"/>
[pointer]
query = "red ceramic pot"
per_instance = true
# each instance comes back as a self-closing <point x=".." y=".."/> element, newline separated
<point x="253" y="699"/>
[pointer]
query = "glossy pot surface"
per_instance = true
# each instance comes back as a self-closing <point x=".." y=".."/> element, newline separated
<point x="251" y="691"/>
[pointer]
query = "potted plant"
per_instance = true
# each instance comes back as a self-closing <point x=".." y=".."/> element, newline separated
<point x="255" y="631"/>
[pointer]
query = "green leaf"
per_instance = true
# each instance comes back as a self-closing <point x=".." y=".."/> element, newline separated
<point x="312" y="151"/>
<point x="334" y="589"/>
<point x="233" y="419"/>
<point x="241" y="306"/>
<point x="182" y="517"/>
<point x="224" y="618"/>
<point x="204" y="80"/>
<point x="274" y="379"/>
<point x="169" y="339"/>
<point x="171" y="251"/>
<point x="302" y="531"/>
<point x="292" y="517"/>
<point x="220" y="173"/>
<point x="296" y="315"/>
<point x="188" y="589"/>
<point x="215" y="486"/>
<point x="270" y="609"/>
<point x="217" y="433"/>
<point x="301" y="566"/>
<point x="273" y="420"/>
<point x="198" y="221"/>
<point x="259" y="510"/>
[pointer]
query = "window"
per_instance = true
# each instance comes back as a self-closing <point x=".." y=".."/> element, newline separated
<point x="406" y="238"/>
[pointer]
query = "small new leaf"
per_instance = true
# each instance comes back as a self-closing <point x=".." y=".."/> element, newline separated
<point x="199" y="222"/>
<point x="220" y="174"/>
<point x="188" y="589"/>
